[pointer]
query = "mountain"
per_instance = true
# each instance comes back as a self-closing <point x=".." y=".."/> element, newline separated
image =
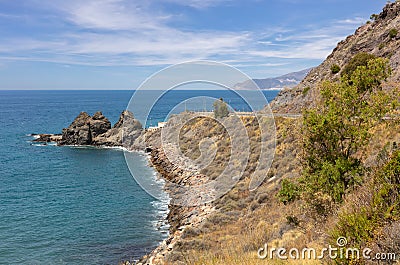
<point x="380" y="37"/>
<point x="287" y="80"/>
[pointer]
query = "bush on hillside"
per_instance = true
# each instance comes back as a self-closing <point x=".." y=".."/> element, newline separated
<point x="335" y="69"/>
<point x="360" y="59"/>
<point x="393" y="33"/>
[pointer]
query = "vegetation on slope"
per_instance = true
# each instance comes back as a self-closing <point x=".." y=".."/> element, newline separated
<point x="324" y="161"/>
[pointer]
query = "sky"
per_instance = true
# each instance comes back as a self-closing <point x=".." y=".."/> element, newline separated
<point x="117" y="44"/>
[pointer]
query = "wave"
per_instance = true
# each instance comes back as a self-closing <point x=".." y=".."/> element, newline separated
<point x="161" y="206"/>
<point x="35" y="136"/>
<point x="42" y="144"/>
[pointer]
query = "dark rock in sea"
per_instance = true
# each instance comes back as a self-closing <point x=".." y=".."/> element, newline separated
<point x="96" y="130"/>
<point x="79" y="132"/>
<point x="47" y="138"/>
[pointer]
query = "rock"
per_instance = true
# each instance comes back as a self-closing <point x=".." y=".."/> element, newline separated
<point x="124" y="133"/>
<point x="84" y="129"/>
<point x="96" y="130"/>
<point x="99" y="124"/>
<point x="78" y="133"/>
<point x="47" y="138"/>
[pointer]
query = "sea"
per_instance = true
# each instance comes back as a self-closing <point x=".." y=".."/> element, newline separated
<point x="78" y="205"/>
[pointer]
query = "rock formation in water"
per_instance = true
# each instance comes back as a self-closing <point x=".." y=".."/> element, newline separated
<point x="84" y="129"/>
<point x="96" y="130"/>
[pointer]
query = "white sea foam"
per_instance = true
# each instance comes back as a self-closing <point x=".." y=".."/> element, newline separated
<point x="161" y="206"/>
<point x="34" y="136"/>
<point x="39" y="144"/>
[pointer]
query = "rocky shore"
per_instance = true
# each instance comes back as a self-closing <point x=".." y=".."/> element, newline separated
<point x="180" y="218"/>
<point x="128" y="132"/>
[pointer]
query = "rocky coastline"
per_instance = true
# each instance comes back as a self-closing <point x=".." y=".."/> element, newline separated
<point x="128" y="133"/>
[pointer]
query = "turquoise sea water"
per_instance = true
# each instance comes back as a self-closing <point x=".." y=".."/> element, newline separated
<point x="71" y="205"/>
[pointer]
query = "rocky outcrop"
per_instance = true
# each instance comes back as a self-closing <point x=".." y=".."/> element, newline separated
<point x="123" y="133"/>
<point x="47" y="138"/>
<point x="84" y="129"/>
<point x="96" y="130"/>
<point x="376" y="37"/>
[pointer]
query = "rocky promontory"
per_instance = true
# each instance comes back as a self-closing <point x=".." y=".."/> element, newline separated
<point x="96" y="130"/>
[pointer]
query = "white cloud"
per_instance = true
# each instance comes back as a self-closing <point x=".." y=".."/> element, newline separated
<point x="122" y="32"/>
<point x="108" y="14"/>
<point x="352" y="21"/>
<point x="199" y="4"/>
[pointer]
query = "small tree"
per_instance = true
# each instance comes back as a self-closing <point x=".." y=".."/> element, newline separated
<point x="337" y="129"/>
<point x="220" y="109"/>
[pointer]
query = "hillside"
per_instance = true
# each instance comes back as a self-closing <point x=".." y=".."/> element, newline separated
<point x="285" y="81"/>
<point x="376" y="37"/>
<point x="335" y="172"/>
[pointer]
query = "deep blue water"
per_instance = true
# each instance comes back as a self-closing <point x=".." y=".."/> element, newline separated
<point x="69" y="205"/>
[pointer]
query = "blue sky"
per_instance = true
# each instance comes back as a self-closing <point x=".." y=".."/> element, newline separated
<point x="117" y="44"/>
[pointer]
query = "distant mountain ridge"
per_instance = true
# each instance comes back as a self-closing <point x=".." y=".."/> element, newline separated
<point x="287" y="80"/>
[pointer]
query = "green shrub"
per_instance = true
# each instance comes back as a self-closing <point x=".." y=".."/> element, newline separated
<point x="357" y="227"/>
<point x="305" y="91"/>
<point x="393" y="33"/>
<point x="360" y="59"/>
<point x="289" y="192"/>
<point x="335" y="131"/>
<point x="360" y="225"/>
<point x="373" y="17"/>
<point x="381" y="46"/>
<point x="335" y="69"/>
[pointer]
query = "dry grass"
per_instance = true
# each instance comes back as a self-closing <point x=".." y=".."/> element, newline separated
<point x="246" y="220"/>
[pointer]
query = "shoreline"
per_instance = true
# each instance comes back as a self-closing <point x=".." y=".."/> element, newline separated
<point x="179" y="218"/>
<point x="96" y="132"/>
<point x="161" y="206"/>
